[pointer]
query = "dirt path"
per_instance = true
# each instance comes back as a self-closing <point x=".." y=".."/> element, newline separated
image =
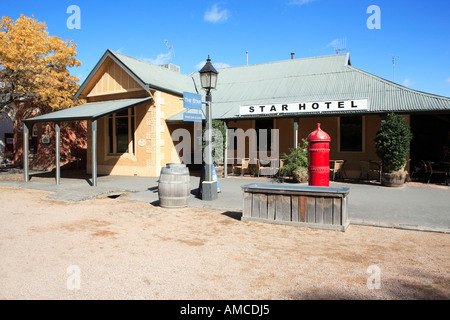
<point x="117" y="249"/>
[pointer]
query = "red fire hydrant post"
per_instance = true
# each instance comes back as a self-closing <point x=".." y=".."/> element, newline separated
<point x="319" y="158"/>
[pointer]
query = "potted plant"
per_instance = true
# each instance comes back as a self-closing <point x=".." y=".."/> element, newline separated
<point x="296" y="163"/>
<point x="392" y="147"/>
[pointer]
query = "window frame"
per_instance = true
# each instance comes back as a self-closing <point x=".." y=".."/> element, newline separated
<point x="363" y="135"/>
<point x="111" y="121"/>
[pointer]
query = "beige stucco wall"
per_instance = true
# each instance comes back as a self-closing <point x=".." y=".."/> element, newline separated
<point x="152" y="140"/>
<point x="127" y="163"/>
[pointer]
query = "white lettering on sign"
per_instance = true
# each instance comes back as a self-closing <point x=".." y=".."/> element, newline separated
<point x="192" y="100"/>
<point x="304" y="107"/>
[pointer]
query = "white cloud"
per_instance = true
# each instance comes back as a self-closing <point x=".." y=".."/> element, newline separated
<point x="338" y="43"/>
<point x="300" y="2"/>
<point x="408" y="82"/>
<point x="161" y="58"/>
<point x="199" y="65"/>
<point x="217" y="65"/>
<point x="334" y="43"/>
<point x="447" y="80"/>
<point x="216" y="15"/>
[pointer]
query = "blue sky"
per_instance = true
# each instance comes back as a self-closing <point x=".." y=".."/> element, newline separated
<point x="417" y="32"/>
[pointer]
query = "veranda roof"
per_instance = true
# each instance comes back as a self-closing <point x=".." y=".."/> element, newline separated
<point x="88" y="111"/>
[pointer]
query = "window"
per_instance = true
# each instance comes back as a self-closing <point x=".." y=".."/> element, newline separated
<point x="121" y="131"/>
<point x="34" y="132"/>
<point x="264" y="142"/>
<point x="351" y="134"/>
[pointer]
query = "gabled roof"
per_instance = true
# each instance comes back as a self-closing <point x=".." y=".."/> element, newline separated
<point x="157" y="77"/>
<point x="147" y="75"/>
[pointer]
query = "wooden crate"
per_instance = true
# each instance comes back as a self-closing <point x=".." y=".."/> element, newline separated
<point x="306" y="206"/>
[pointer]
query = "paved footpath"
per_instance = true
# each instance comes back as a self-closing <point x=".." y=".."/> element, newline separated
<point x="411" y="207"/>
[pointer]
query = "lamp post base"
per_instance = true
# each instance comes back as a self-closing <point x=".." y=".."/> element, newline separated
<point x="209" y="190"/>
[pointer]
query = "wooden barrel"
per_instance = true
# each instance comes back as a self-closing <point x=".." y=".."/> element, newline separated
<point x="174" y="186"/>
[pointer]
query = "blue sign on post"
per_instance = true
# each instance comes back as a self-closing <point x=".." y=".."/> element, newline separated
<point x="194" y="117"/>
<point x="192" y="100"/>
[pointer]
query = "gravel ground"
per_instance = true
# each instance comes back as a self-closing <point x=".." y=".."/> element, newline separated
<point x="117" y="249"/>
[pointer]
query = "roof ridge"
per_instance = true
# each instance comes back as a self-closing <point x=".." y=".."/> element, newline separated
<point x="286" y="60"/>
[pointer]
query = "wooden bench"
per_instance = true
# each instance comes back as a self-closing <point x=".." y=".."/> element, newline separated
<point x="296" y="205"/>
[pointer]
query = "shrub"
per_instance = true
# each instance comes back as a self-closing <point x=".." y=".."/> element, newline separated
<point x="392" y="143"/>
<point x="297" y="158"/>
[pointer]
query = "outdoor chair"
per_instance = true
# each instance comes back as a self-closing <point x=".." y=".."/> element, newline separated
<point x="242" y="167"/>
<point x="337" y="168"/>
<point x="254" y="167"/>
<point x="431" y="168"/>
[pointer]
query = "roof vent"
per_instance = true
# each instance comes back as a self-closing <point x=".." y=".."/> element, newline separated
<point x="171" y="67"/>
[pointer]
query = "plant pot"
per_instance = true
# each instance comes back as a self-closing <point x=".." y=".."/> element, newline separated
<point x="393" y="179"/>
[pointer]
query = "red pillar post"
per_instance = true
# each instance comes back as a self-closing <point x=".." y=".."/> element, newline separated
<point x="319" y="158"/>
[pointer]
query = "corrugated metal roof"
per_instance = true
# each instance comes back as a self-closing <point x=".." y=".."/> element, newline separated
<point x="88" y="111"/>
<point x="325" y="78"/>
<point x="156" y="76"/>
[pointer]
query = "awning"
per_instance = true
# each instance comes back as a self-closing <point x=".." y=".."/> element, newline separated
<point x="88" y="111"/>
<point x="178" y="117"/>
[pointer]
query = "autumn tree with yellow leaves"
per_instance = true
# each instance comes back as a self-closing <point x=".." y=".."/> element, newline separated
<point x="35" y="66"/>
<point x="34" y="70"/>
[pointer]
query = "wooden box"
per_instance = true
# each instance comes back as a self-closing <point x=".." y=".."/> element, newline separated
<point x="296" y="205"/>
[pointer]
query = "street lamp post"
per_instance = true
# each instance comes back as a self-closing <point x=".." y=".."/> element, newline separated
<point x="208" y="78"/>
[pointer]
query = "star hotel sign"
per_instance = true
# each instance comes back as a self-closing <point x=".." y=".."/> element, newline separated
<point x="304" y="107"/>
